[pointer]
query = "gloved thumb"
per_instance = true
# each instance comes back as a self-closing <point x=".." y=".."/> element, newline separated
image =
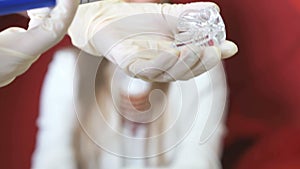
<point x="48" y="26"/>
<point x="228" y="49"/>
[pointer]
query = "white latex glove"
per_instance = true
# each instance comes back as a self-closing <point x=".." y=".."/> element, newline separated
<point x="57" y="119"/>
<point x="138" y="37"/>
<point x="19" y="48"/>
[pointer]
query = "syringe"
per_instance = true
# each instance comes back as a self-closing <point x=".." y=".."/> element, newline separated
<point x="203" y="27"/>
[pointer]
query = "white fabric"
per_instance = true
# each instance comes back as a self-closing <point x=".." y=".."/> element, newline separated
<point x="57" y="119"/>
<point x="19" y="48"/>
<point x="138" y="37"/>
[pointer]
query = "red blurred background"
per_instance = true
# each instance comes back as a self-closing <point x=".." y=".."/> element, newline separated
<point x="264" y="112"/>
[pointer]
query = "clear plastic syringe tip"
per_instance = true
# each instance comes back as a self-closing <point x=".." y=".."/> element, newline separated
<point x="204" y="27"/>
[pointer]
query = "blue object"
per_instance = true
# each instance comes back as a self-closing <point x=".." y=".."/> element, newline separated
<point x="14" y="6"/>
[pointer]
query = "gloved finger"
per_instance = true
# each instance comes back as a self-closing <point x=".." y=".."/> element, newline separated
<point x="228" y="49"/>
<point x="189" y="56"/>
<point x="160" y="61"/>
<point x="50" y="29"/>
<point x="142" y="58"/>
<point x="13" y="63"/>
<point x="37" y="16"/>
<point x="210" y="57"/>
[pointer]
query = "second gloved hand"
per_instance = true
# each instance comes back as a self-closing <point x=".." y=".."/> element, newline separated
<point x="139" y="38"/>
<point x="19" y="48"/>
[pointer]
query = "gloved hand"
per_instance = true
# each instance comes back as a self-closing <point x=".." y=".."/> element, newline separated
<point x="138" y="37"/>
<point x="19" y="48"/>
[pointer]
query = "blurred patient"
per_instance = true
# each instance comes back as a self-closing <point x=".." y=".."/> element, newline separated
<point x="94" y="116"/>
<point x="76" y="132"/>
